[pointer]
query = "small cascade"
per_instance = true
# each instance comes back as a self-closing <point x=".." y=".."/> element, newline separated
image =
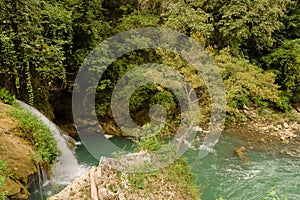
<point x="66" y="167"/>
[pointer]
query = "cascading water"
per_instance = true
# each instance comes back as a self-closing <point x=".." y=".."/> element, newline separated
<point x="66" y="168"/>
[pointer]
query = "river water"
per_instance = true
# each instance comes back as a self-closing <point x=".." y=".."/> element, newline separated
<point x="223" y="174"/>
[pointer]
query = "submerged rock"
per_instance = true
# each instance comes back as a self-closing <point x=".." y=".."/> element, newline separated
<point x="240" y="152"/>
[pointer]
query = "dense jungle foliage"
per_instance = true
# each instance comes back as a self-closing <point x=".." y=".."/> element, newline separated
<point x="255" y="44"/>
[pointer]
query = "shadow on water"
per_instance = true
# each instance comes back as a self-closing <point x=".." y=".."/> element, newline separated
<point x="84" y="157"/>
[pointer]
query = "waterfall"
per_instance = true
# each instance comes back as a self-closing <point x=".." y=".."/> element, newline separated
<point x="66" y="167"/>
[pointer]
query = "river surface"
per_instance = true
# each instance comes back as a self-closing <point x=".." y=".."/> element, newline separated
<point x="223" y="174"/>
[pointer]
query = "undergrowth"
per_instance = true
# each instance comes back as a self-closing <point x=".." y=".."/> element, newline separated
<point x="6" y="97"/>
<point x="179" y="172"/>
<point x="38" y="135"/>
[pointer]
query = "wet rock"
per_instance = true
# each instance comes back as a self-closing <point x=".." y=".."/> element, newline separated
<point x="16" y="190"/>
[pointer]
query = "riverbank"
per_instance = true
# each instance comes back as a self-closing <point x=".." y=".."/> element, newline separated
<point x="282" y="127"/>
<point x="264" y="128"/>
<point x="261" y="128"/>
<point x="267" y="131"/>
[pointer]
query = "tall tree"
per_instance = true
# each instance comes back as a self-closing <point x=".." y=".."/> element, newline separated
<point x="89" y="26"/>
<point x="285" y="62"/>
<point x="245" y="26"/>
<point x="249" y="25"/>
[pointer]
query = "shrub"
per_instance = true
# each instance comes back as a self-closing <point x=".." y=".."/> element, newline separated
<point x="247" y="84"/>
<point x="151" y="143"/>
<point x="179" y="172"/>
<point x="6" y="97"/>
<point x="285" y="62"/>
<point x="38" y="134"/>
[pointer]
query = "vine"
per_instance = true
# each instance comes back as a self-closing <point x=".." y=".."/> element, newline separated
<point x="29" y="85"/>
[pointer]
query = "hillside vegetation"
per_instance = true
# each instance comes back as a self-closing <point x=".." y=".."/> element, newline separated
<point x="255" y="45"/>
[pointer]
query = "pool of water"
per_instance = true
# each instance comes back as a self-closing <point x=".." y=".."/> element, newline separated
<point x="84" y="157"/>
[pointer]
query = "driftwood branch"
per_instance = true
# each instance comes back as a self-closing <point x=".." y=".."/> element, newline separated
<point x="94" y="191"/>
